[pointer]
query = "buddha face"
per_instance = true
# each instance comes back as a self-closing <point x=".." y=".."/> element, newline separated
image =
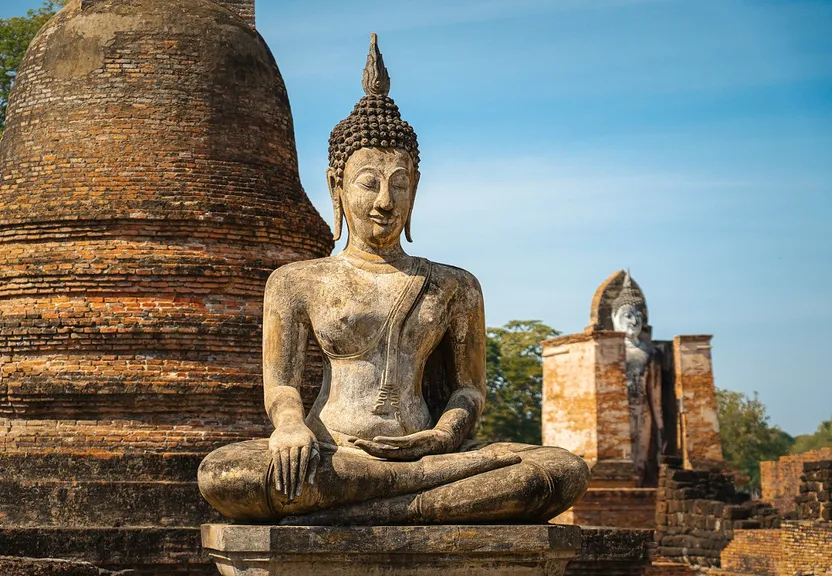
<point x="628" y="319"/>
<point x="377" y="194"/>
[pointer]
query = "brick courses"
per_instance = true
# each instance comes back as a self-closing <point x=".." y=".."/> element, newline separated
<point x="696" y="393"/>
<point x="781" y="479"/>
<point x="814" y="501"/>
<point x="697" y="512"/>
<point x="619" y="507"/>
<point x="148" y="187"/>
<point x="798" y="548"/>
<point x="243" y="8"/>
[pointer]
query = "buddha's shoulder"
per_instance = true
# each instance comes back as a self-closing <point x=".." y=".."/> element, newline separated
<point x="453" y="277"/>
<point x="299" y="273"/>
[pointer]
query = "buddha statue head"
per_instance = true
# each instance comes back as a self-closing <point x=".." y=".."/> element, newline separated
<point x="629" y="310"/>
<point x="374" y="163"/>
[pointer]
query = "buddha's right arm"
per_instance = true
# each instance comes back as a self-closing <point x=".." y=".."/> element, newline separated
<point x="285" y="337"/>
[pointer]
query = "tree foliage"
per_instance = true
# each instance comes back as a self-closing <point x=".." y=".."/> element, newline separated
<point x="514" y="382"/>
<point x="15" y="36"/>
<point x="747" y="436"/>
<point x="822" y="438"/>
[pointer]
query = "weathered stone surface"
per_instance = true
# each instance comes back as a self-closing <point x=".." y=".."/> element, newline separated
<point x="148" y="551"/>
<point x="614" y="544"/>
<point x="619" y="507"/>
<point x="395" y="550"/>
<point x="387" y="441"/>
<point x="795" y="548"/>
<point x="786" y="545"/>
<point x="585" y="406"/>
<point x="44" y="567"/>
<point x="781" y="480"/>
<point x="611" y="552"/>
<point x="101" y="489"/>
<point x="698" y="512"/>
<point x="694" y="382"/>
<point x="243" y="8"/>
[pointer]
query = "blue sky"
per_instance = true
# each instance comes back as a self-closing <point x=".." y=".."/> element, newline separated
<point x="565" y="139"/>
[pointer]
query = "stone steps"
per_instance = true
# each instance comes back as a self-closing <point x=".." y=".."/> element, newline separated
<point x="76" y="504"/>
<point x="97" y="465"/>
<point x="45" y="567"/>
<point x="146" y="551"/>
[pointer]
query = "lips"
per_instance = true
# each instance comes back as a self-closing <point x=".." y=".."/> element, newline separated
<point x="381" y="220"/>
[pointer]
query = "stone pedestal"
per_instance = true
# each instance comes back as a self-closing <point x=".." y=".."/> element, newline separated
<point x="542" y="550"/>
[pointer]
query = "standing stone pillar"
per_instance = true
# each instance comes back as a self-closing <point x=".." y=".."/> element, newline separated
<point x="696" y="396"/>
<point x="585" y="396"/>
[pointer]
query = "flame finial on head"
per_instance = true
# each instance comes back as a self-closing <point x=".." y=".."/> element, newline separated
<point x="376" y="81"/>
<point x="375" y="122"/>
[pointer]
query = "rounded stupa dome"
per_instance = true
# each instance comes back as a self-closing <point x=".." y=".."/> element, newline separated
<point x="148" y="186"/>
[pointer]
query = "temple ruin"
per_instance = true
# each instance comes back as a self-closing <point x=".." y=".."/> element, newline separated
<point x="586" y="410"/>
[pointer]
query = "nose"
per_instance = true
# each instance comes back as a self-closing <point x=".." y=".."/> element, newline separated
<point x="384" y="200"/>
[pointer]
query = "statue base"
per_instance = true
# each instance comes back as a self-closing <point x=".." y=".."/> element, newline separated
<point x="504" y="550"/>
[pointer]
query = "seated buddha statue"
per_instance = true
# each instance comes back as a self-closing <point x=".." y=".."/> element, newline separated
<point x="389" y="438"/>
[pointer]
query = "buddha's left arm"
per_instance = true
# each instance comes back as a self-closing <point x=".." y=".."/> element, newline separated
<point x="467" y="339"/>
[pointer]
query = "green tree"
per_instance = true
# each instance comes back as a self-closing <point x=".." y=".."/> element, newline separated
<point x="747" y="436"/>
<point x="15" y="36"/>
<point x="822" y="438"/>
<point x="514" y="382"/>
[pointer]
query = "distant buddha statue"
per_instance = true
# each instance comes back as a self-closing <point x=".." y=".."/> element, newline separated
<point x="388" y="440"/>
<point x="644" y="376"/>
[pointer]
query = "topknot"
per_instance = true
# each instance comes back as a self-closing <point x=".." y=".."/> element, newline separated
<point x="375" y="121"/>
<point x="629" y="296"/>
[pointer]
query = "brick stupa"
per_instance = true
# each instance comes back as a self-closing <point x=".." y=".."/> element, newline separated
<point x="148" y="186"/>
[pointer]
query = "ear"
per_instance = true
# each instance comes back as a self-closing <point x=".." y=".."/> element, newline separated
<point x="416" y="177"/>
<point x="337" y="206"/>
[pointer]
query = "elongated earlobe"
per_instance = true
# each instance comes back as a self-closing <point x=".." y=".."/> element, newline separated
<point x="339" y="218"/>
<point x="337" y="206"/>
<point x="407" y="233"/>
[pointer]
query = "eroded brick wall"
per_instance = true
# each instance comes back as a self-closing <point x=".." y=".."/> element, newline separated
<point x="148" y="187"/>
<point x="243" y="8"/>
<point x="809" y="548"/>
<point x="694" y="381"/>
<point x="697" y="512"/>
<point x="585" y="406"/>
<point x="618" y="507"/>
<point x="754" y="552"/>
<point x="568" y="412"/>
<point x="781" y="479"/>
<point x="814" y="501"/>
<point x="798" y="548"/>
